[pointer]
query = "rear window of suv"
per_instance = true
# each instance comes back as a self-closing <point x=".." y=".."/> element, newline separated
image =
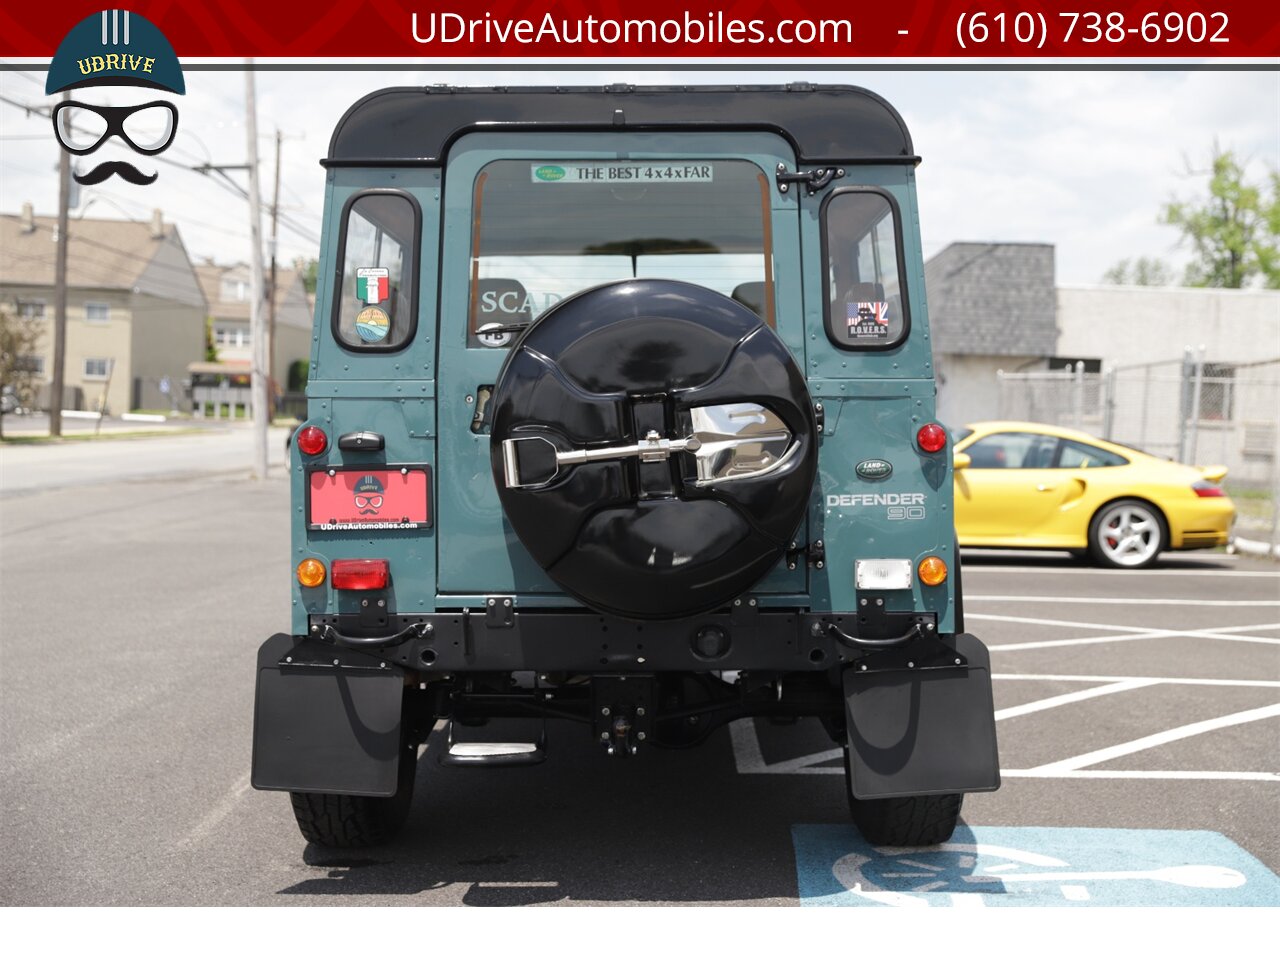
<point x="544" y="231"/>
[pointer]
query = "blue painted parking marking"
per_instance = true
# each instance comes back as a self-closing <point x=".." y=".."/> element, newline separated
<point x="1032" y="867"/>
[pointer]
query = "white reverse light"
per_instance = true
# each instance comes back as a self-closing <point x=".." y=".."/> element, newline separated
<point x="882" y="574"/>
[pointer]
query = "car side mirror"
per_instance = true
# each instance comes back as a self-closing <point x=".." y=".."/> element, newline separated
<point x="960" y="460"/>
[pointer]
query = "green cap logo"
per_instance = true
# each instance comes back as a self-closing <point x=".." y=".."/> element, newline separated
<point x="550" y="173"/>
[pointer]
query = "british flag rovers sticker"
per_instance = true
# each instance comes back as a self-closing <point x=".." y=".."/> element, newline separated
<point x="868" y="320"/>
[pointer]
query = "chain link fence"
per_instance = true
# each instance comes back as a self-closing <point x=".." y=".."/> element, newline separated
<point x="1185" y="409"/>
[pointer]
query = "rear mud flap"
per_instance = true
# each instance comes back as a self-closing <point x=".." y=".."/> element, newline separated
<point x="915" y="732"/>
<point x="321" y="728"/>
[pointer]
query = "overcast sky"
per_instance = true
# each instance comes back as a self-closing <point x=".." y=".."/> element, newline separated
<point x="1080" y="159"/>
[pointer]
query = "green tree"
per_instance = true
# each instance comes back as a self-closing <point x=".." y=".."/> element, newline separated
<point x="310" y="270"/>
<point x="1234" y="231"/>
<point x="19" y="340"/>
<point x="210" y="348"/>
<point x="1142" y="272"/>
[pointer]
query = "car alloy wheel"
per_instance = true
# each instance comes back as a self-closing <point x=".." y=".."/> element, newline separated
<point x="1127" y="534"/>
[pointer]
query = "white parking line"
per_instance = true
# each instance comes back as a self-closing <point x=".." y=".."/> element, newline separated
<point x="1090" y="678"/>
<point x="978" y="569"/>
<point x="1157" y="739"/>
<point x="1130" y="633"/>
<point x="1128" y="601"/>
<point x="1050" y="702"/>
<point x="1040" y="774"/>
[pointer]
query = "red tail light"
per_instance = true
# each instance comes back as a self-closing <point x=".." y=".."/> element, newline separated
<point x="359" y="574"/>
<point x="1203" y="488"/>
<point x="931" y="437"/>
<point x="311" y="441"/>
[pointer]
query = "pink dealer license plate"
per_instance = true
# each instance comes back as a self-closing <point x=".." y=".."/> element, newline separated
<point x="396" y="498"/>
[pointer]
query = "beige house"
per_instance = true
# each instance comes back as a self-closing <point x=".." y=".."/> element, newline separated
<point x="226" y="289"/>
<point x="135" y="313"/>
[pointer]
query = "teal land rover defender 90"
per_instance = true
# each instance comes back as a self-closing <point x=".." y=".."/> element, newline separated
<point x="621" y="412"/>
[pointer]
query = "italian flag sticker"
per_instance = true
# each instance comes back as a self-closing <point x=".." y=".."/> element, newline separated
<point x="372" y="285"/>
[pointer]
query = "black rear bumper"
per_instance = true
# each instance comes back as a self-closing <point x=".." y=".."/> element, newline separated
<point x="744" y="637"/>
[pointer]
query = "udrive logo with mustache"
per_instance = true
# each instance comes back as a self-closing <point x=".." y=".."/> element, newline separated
<point x="115" y="48"/>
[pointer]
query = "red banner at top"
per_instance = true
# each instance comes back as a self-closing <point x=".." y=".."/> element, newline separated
<point x="683" y="29"/>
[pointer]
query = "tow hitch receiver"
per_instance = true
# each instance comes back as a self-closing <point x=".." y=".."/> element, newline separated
<point x="623" y="712"/>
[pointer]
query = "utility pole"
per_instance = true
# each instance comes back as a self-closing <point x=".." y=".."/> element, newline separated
<point x="272" y="292"/>
<point x="261" y="413"/>
<point x="60" y="295"/>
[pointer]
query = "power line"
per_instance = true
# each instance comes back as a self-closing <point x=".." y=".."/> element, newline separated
<point x="224" y="181"/>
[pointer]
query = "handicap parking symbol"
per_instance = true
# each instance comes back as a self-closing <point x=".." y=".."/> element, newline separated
<point x="1032" y="867"/>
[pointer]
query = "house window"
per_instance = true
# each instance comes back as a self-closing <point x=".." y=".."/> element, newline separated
<point x="96" y="368"/>
<point x="31" y="309"/>
<point x="231" y="336"/>
<point x="30" y="363"/>
<point x="233" y="290"/>
<point x="97" y="312"/>
<point x="1217" y="385"/>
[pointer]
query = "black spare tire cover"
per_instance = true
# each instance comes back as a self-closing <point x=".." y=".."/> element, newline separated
<point x="652" y="363"/>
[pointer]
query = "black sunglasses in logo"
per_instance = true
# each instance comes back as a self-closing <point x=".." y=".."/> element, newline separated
<point x="148" y="128"/>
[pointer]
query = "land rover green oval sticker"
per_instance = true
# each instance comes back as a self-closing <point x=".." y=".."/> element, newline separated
<point x="874" y="469"/>
<point x="548" y="173"/>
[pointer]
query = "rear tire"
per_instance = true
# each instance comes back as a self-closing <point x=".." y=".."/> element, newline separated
<point x="1128" y="534"/>
<point x="903" y="821"/>
<point x="338" y="820"/>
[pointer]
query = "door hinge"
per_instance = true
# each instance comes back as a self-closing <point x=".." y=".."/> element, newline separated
<point x="814" y="180"/>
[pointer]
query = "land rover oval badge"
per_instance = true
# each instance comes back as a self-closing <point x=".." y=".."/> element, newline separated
<point x="874" y="469"/>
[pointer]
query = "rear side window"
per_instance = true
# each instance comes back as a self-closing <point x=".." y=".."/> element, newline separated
<point x="544" y="231"/>
<point x="866" y="303"/>
<point x="1075" y="455"/>
<point x="376" y="289"/>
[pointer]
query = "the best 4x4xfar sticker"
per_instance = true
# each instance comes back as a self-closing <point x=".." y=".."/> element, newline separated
<point x="868" y="320"/>
<point x="372" y="284"/>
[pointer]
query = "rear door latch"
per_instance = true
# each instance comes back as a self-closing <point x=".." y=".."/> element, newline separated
<point x="814" y="180"/>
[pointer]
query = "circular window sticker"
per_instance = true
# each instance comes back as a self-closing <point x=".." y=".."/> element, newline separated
<point x="492" y="335"/>
<point x="373" y="324"/>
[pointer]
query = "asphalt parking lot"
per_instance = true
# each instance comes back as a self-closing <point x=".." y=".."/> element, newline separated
<point x="1139" y="723"/>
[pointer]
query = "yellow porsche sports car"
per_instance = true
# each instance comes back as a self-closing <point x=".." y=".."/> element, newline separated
<point x="1038" y="486"/>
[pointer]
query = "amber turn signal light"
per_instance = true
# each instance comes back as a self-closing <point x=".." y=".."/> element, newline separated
<point x="311" y="572"/>
<point x="932" y="571"/>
